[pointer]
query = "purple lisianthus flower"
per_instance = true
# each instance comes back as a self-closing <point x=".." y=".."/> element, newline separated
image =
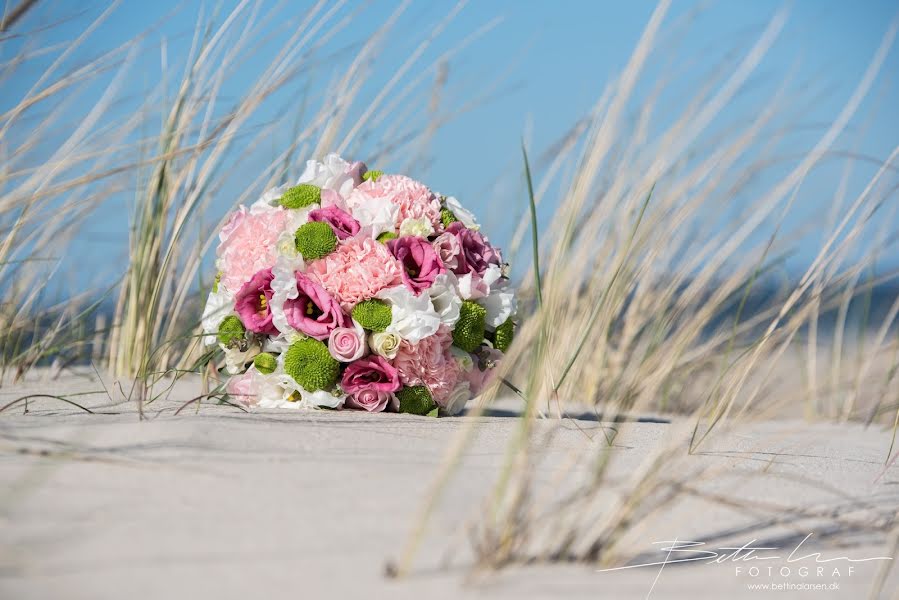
<point x="370" y="374"/>
<point x="314" y="311"/>
<point x="421" y="265"/>
<point x="252" y="303"/>
<point x="477" y="254"/>
<point x="343" y="223"/>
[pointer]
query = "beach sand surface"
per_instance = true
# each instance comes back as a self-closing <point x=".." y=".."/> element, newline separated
<point x="217" y="503"/>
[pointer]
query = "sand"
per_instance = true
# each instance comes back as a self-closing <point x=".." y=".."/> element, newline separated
<point x="215" y="503"/>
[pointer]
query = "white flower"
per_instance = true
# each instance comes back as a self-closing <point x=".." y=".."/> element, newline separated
<point x="417" y="227"/>
<point x="331" y="174"/>
<point x="269" y="199"/>
<point x="219" y="305"/>
<point x="458" y="398"/>
<point x="445" y="298"/>
<point x="284" y="286"/>
<point x="280" y="390"/>
<point x="463" y="359"/>
<point x="500" y="304"/>
<point x="413" y="317"/>
<point x="385" y="343"/>
<point x="236" y="359"/>
<point x="375" y="214"/>
<point x="462" y="213"/>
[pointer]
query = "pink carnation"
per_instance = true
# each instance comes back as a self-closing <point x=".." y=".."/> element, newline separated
<point x="414" y="199"/>
<point x="356" y="271"/>
<point x="243" y="389"/>
<point x="248" y="245"/>
<point x="431" y="363"/>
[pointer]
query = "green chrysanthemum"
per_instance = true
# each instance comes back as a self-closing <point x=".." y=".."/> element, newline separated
<point x="447" y="217"/>
<point x="373" y="314"/>
<point x="230" y="329"/>
<point x="315" y="239"/>
<point x="301" y="196"/>
<point x="386" y="237"/>
<point x="265" y="363"/>
<point x="469" y="332"/>
<point x="504" y="335"/>
<point x="415" y="400"/>
<point x="311" y="365"/>
<point x="372" y="175"/>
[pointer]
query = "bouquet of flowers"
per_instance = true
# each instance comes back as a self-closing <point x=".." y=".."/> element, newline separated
<point x="358" y="289"/>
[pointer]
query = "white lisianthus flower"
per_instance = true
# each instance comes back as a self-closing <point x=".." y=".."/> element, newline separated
<point x="463" y="359"/>
<point x="236" y="359"/>
<point x="445" y="298"/>
<point x="417" y="227"/>
<point x="375" y="214"/>
<point x="462" y="213"/>
<point x="500" y="304"/>
<point x="284" y="286"/>
<point x="457" y="399"/>
<point x="333" y="174"/>
<point x="219" y="305"/>
<point x="413" y="318"/>
<point x="473" y="287"/>
<point x="268" y="200"/>
<point x="385" y="343"/>
<point x="280" y="390"/>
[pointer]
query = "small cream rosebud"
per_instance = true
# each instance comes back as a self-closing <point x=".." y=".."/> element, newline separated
<point x="385" y="344"/>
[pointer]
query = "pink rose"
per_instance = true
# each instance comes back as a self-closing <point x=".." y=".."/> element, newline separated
<point x="370" y="400"/>
<point x="420" y="262"/>
<point x="477" y="254"/>
<point x="370" y="373"/>
<point x="343" y="224"/>
<point x="347" y="344"/>
<point x="252" y="303"/>
<point x="313" y="311"/>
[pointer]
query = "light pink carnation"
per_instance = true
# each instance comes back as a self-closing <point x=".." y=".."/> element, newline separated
<point x="248" y="245"/>
<point x="414" y="199"/>
<point x="430" y="363"/>
<point x="356" y="271"/>
<point x="242" y="388"/>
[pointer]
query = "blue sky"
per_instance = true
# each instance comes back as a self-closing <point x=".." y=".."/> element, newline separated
<point x="543" y="66"/>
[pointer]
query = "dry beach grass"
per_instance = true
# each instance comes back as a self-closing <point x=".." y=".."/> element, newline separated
<point x="663" y="319"/>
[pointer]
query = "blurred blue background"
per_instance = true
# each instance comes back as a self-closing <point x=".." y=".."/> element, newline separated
<point x="541" y="66"/>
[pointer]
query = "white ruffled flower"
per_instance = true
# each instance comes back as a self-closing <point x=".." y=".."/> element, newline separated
<point x="269" y="199"/>
<point x="458" y="398"/>
<point x="280" y="390"/>
<point x="500" y="304"/>
<point x="375" y="214"/>
<point x="284" y="287"/>
<point x="236" y="359"/>
<point x="331" y="174"/>
<point x="385" y="343"/>
<point x="445" y="298"/>
<point x="413" y="317"/>
<point x="219" y="305"/>
<point x="417" y="227"/>
<point x="462" y="213"/>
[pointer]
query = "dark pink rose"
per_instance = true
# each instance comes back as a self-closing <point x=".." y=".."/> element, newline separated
<point x="372" y="373"/>
<point x="343" y="224"/>
<point x="477" y="254"/>
<point x="420" y="262"/>
<point x="370" y="400"/>
<point x="314" y="311"/>
<point x="252" y="303"/>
